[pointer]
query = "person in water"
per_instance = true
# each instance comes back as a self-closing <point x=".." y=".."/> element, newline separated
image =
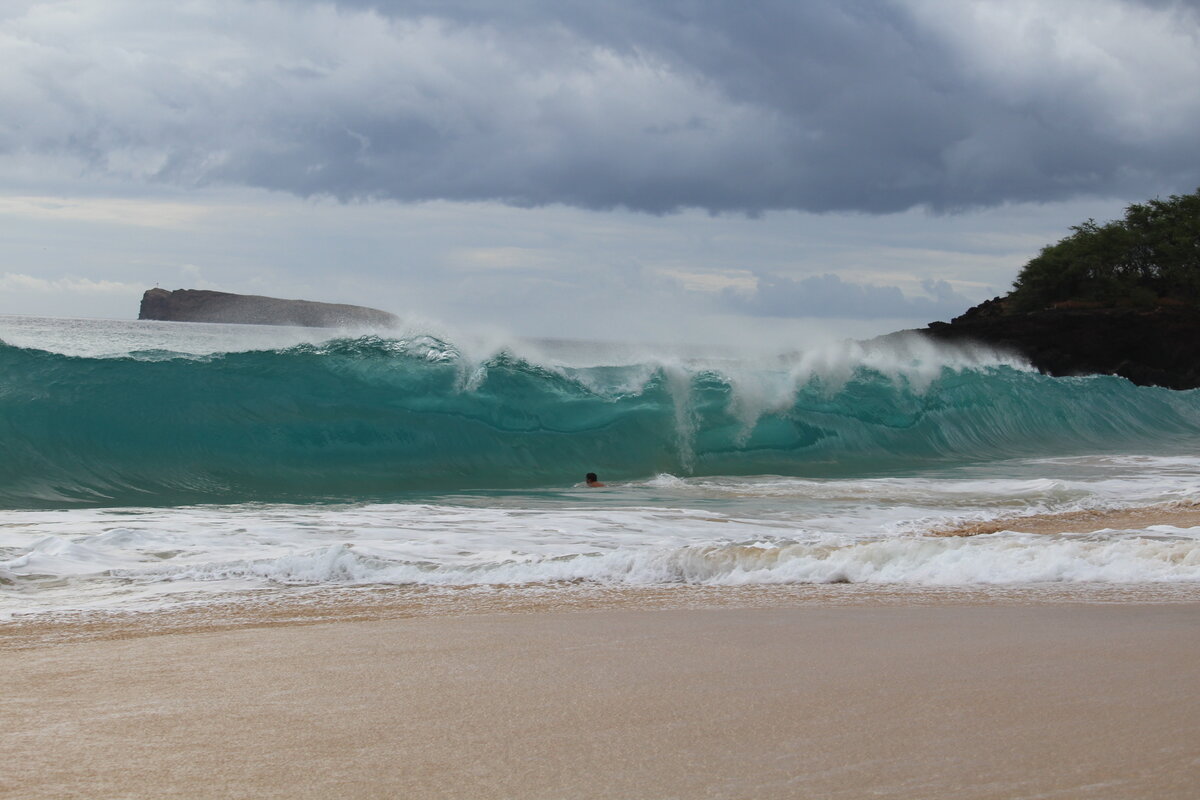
<point x="592" y="480"/>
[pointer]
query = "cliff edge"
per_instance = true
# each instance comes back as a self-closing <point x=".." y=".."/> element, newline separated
<point x="201" y="305"/>
<point x="1158" y="346"/>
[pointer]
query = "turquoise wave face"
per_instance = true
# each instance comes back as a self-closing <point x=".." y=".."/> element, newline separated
<point x="372" y="419"/>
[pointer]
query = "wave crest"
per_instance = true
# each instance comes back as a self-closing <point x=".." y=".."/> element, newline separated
<point x="372" y="418"/>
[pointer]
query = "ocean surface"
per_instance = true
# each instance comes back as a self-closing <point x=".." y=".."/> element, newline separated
<point x="149" y="464"/>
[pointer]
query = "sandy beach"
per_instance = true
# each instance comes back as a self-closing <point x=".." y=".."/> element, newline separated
<point x="766" y="691"/>
<point x="943" y="700"/>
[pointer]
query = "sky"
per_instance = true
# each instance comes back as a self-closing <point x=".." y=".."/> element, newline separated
<point x="686" y="170"/>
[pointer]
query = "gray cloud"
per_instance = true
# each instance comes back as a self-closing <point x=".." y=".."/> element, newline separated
<point x="828" y="296"/>
<point x="817" y="106"/>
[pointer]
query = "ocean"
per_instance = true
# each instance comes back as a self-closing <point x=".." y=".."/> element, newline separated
<point x="149" y="465"/>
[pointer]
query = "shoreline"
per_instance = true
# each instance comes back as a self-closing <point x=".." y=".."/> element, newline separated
<point x="305" y="606"/>
<point x="302" y="605"/>
<point x="539" y="692"/>
<point x="1182" y="514"/>
<point x="946" y="700"/>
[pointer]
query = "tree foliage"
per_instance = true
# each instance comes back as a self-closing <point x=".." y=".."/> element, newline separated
<point x="1151" y="256"/>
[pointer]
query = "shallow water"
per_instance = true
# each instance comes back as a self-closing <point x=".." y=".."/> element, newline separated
<point x="147" y="465"/>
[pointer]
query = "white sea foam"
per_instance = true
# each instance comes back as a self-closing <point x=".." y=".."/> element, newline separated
<point x="718" y="531"/>
<point x="1004" y="558"/>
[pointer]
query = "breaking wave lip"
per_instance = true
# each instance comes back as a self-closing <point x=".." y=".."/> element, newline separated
<point x="1166" y="556"/>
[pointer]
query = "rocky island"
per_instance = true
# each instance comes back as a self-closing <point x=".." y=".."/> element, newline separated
<point x="201" y="305"/>
<point x="1121" y="298"/>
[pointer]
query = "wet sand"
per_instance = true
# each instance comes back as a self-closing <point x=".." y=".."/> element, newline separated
<point x="1177" y="515"/>
<point x="945" y="700"/>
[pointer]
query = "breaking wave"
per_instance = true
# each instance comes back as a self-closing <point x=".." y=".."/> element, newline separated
<point x="371" y="419"/>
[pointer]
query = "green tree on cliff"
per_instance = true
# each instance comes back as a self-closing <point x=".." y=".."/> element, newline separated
<point x="1150" y="256"/>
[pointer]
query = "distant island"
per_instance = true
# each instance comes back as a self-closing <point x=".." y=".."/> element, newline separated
<point x="201" y="305"/>
<point x="1121" y="298"/>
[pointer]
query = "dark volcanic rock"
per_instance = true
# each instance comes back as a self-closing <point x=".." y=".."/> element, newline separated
<point x="1159" y="346"/>
<point x="199" y="305"/>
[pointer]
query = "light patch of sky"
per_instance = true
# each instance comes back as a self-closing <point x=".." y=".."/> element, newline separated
<point x="503" y="258"/>
<point x="17" y="282"/>
<point x="1104" y="48"/>
<point x="712" y="281"/>
<point x="118" y="210"/>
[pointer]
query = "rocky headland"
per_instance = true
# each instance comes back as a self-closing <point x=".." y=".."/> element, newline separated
<point x="1118" y="298"/>
<point x="201" y="305"/>
<point x="1157" y="346"/>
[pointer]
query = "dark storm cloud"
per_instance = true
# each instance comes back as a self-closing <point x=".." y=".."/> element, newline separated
<point x="818" y="106"/>
<point x="829" y="296"/>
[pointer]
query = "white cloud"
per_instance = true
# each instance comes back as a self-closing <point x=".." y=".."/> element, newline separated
<point x="111" y="210"/>
<point x="501" y="258"/>
<point x="814" y="106"/>
<point x="1140" y="64"/>
<point x="828" y="296"/>
<point x="696" y="281"/>
<point x="18" y="282"/>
